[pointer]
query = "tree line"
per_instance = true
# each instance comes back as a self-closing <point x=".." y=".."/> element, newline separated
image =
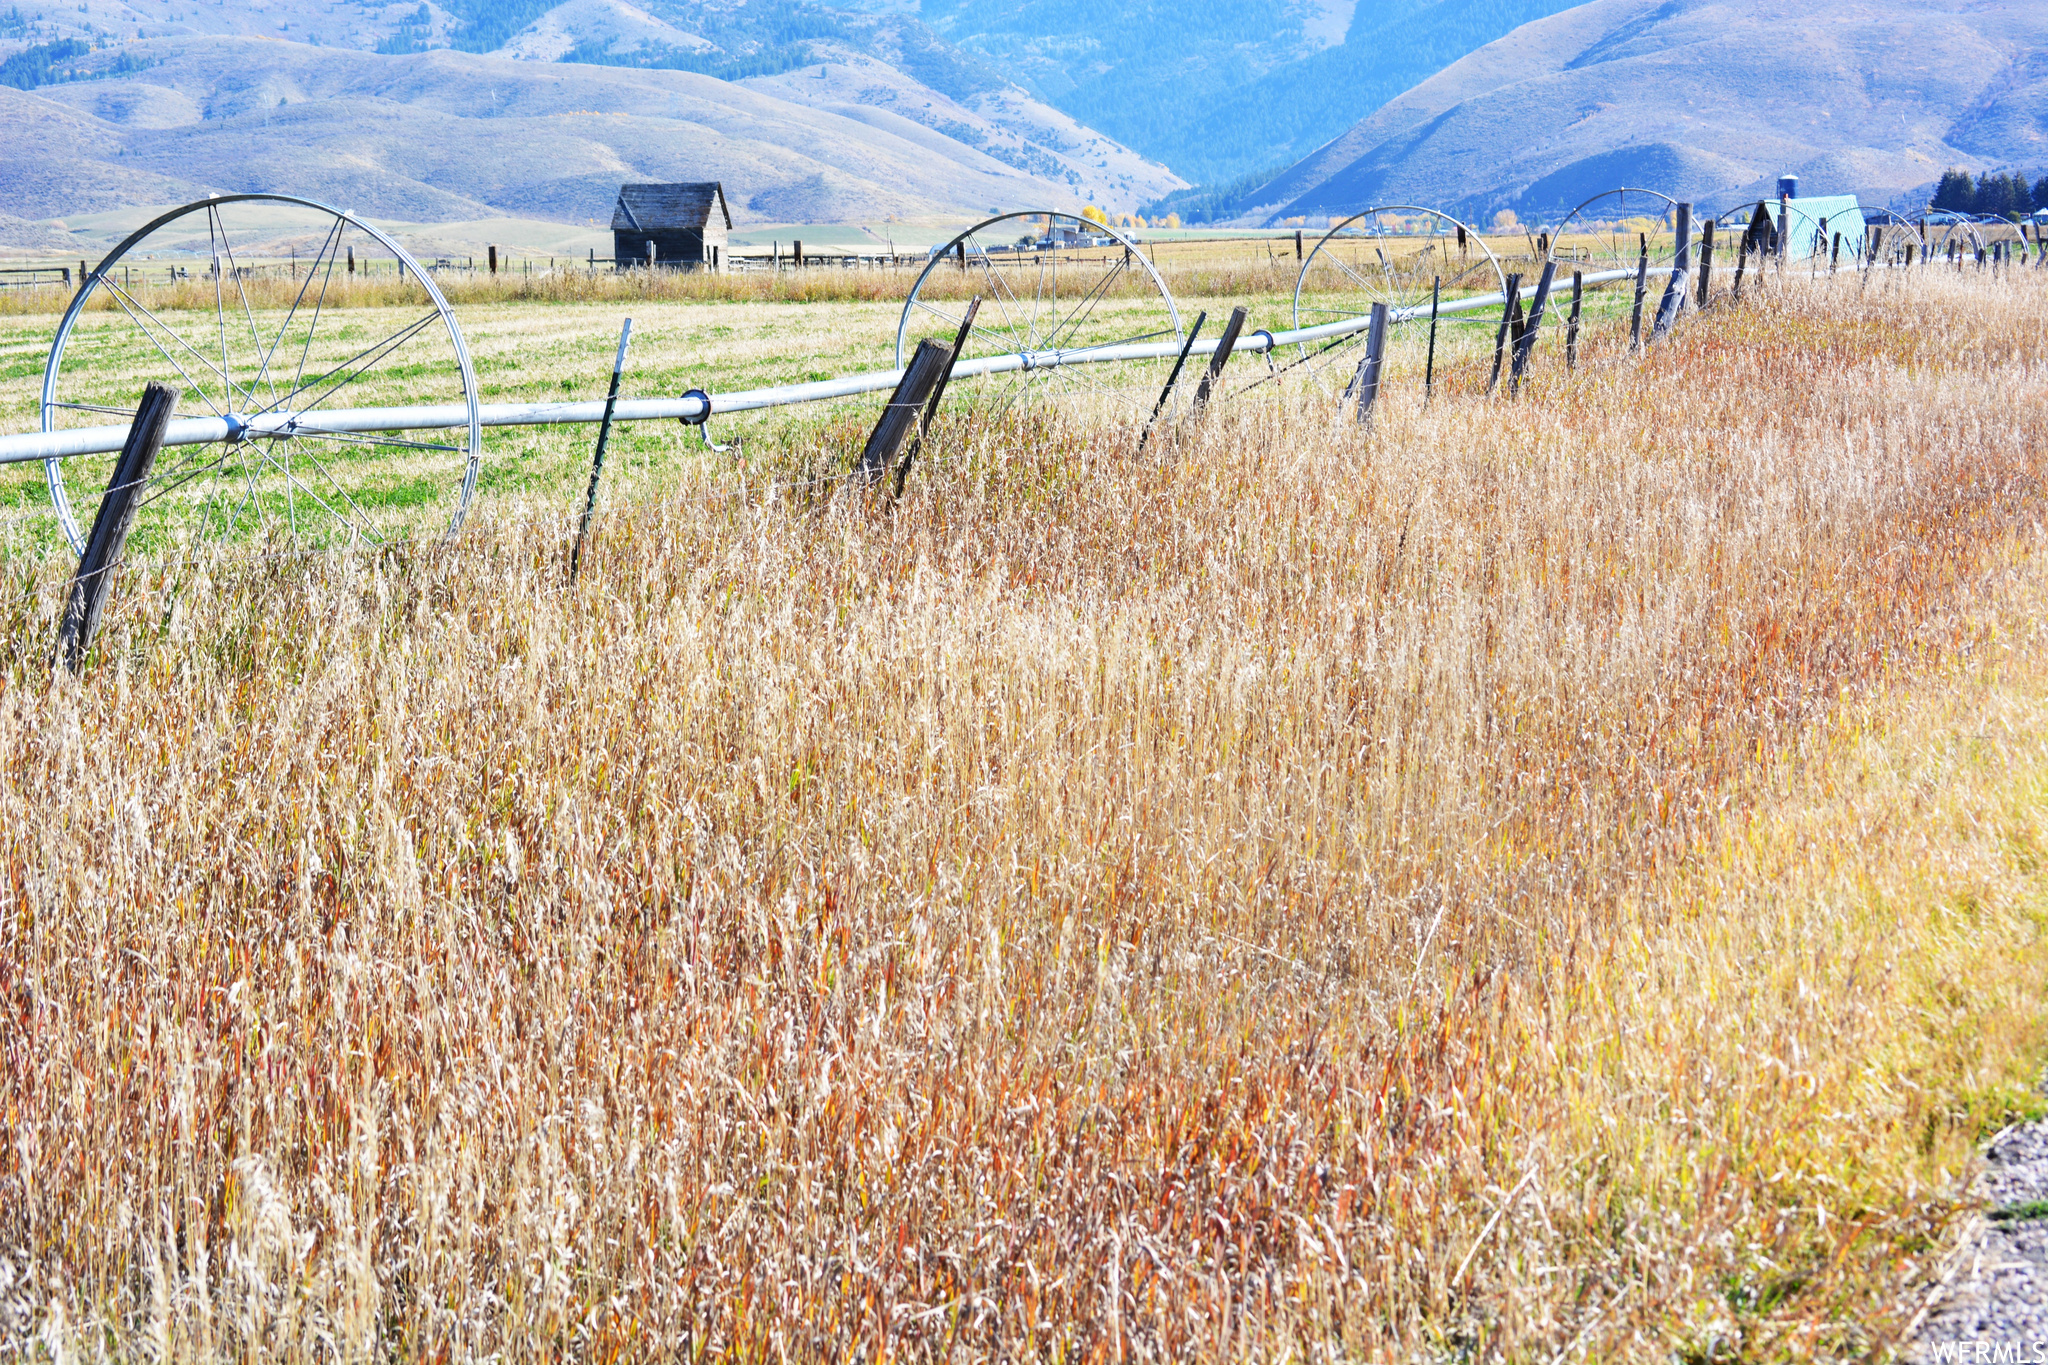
<point x="2003" y="194"/>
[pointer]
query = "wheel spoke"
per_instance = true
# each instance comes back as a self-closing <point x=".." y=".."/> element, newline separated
<point x="294" y="484"/>
<point x="1085" y="308"/>
<point x="96" y="407"/>
<point x="333" y="234"/>
<point x="388" y="345"/>
<point x="366" y="439"/>
<point x="366" y="529"/>
<point x="255" y="338"/>
<point x="129" y="304"/>
<point x="1004" y="296"/>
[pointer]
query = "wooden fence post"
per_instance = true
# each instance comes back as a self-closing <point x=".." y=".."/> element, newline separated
<point x="351" y="260"/>
<point x="1706" y="260"/>
<point x="1511" y="304"/>
<point x="111" y="524"/>
<point x="1436" y="290"/>
<point x="796" y="254"/>
<point x="1525" y="345"/>
<point x="1225" y="344"/>
<point x="1297" y="244"/>
<point x="1571" y="331"/>
<point x="1367" y="379"/>
<point x="1635" y="325"/>
<point x="931" y="407"/>
<point x="1675" y="288"/>
<point x="494" y="259"/>
<point x="933" y="359"/>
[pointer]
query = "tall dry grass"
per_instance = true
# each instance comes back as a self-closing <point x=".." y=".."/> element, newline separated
<point x="1190" y="275"/>
<point x="1546" y="880"/>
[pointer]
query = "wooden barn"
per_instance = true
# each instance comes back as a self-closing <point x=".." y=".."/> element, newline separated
<point x="687" y="225"/>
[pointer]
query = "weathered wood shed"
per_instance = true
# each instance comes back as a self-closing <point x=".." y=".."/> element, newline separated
<point x="688" y="225"/>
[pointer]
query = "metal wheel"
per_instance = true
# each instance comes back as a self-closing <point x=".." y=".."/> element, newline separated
<point x="1055" y="288"/>
<point x="263" y="310"/>
<point x="1890" y="236"/>
<point x="1946" y="232"/>
<point x="1398" y="255"/>
<point x="1612" y="231"/>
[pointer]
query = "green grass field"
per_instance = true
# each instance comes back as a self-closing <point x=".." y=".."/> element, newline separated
<point x="542" y="346"/>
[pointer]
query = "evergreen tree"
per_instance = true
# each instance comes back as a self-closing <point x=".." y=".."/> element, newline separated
<point x="1957" y="191"/>
<point x="1994" y="195"/>
<point x="2041" y="193"/>
<point x="2019" y="196"/>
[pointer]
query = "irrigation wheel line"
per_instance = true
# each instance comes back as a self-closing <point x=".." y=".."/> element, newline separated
<point x="259" y="360"/>
<point x="1041" y="298"/>
<point x="1393" y="254"/>
<point x="72" y="443"/>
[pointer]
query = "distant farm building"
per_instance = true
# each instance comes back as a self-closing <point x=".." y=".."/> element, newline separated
<point x="684" y="227"/>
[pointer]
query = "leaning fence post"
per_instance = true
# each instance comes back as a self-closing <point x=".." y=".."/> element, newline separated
<point x="1673" y="302"/>
<point x="1526" y="343"/>
<point x="604" y="434"/>
<point x="932" y="360"/>
<point x="1368" y="377"/>
<point x="1172" y="378"/>
<point x="931" y="407"/>
<point x="1225" y="344"/>
<point x="110" y="526"/>
<point x="1571" y="331"/>
<point x="1510" y="301"/>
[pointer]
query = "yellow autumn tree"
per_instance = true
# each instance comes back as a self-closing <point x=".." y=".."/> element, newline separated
<point x="1095" y="215"/>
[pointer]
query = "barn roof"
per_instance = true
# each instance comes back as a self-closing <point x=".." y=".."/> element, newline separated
<point x="657" y="208"/>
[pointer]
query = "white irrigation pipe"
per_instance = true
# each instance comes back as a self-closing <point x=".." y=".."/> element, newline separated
<point x="102" y="440"/>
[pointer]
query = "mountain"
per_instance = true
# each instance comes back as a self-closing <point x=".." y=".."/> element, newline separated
<point x="402" y="121"/>
<point x="1706" y="99"/>
<point x="1220" y="88"/>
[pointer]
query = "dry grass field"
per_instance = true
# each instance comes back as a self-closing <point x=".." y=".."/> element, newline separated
<point x="1542" y="880"/>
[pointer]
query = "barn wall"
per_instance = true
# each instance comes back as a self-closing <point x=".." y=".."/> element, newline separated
<point x="677" y="247"/>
